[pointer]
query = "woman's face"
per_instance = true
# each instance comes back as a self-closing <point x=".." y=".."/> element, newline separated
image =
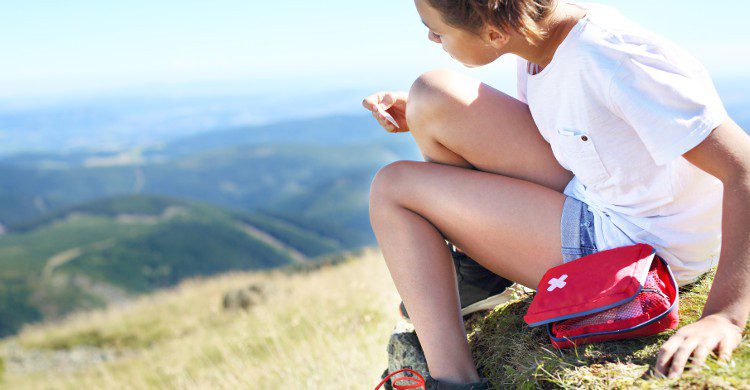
<point x="470" y="49"/>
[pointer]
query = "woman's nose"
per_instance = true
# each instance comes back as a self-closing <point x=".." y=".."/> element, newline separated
<point x="433" y="37"/>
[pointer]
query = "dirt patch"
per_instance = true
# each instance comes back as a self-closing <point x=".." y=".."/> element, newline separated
<point x="298" y="257"/>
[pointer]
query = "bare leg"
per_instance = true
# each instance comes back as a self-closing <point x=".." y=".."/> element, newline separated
<point x="415" y="205"/>
<point x="487" y="215"/>
<point x="459" y="121"/>
<point x="495" y="132"/>
<point x="403" y="234"/>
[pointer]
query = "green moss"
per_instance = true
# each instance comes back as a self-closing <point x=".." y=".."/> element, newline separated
<point x="513" y="355"/>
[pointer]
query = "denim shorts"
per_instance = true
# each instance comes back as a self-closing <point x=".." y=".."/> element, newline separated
<point x="577" y="230"/>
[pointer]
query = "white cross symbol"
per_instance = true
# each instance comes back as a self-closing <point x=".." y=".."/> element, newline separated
<point x="557" y="282"/>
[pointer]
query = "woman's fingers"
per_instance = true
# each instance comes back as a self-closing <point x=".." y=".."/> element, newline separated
<point x="700" y="355"/>
<point x="681" y="356"/>
<point x="388" y="117"/>
<point x="383" y="122"/>
<point x="378" y="103"/>
<point x="371" y="101"/>
<point x="666" y="352"/>
<point x="726" y="346"/>
<point x="389" y="108"/>
<point x="377" y="118"/>
<point x="387" y="101"/>
<point x="697" y="341"/>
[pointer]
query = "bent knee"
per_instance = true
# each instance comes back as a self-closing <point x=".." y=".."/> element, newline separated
<point x="434" y="82"/>
<point x="389" y="181"/>
<point x="435" y="93"/>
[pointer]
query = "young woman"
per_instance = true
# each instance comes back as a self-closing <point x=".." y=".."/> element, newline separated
<point x="619" y="137"/>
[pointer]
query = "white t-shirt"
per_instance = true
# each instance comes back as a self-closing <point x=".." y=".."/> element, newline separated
<point x="619" y="106"/>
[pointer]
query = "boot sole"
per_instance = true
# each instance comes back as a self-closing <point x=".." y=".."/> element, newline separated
<point x="489" y="303"/>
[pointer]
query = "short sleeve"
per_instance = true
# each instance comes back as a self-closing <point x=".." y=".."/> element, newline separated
<point x="521" y="80"/>
<point x="668" y="99"/>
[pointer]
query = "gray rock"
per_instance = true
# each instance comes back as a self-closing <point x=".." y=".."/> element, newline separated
<point x="404" y="351"/>
<point x="244" y="298"/>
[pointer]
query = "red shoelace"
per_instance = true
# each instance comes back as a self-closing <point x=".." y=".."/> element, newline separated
<point x="418" y="381"/>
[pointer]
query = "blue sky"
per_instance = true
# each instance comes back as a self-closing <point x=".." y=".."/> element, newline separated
<point x="73" y="46"/>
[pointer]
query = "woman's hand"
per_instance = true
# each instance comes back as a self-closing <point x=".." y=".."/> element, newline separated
<point x="394" y="103"/>
<point x="711" y="333"/>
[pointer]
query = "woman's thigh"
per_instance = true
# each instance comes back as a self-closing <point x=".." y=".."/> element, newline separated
<point x="510" y="226"/>
<point x="457" y="120"/>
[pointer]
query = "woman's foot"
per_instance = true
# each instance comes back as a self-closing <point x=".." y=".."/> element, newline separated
<point x="415" y="380"/>
<point x="435" y="384"/>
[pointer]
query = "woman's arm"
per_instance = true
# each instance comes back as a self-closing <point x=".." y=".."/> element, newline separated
<point x="725" y="154"/>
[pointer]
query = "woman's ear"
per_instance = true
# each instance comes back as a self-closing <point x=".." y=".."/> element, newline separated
<point x="496" y="37"/>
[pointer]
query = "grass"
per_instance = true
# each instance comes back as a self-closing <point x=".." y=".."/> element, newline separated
<point x="308" y="334"/>
<point x="328" y="329"/>
<point x="513" y="355"/>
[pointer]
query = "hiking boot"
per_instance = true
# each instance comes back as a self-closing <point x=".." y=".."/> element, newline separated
<point x="415" y="380"/>
<point x="478" y="288"/>
<point x="434" y="384"/>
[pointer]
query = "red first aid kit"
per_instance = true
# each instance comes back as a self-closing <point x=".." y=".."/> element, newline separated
<point x="619" y="293"/>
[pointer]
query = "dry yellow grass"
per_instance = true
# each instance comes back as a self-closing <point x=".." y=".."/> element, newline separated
<point x="327" y="329"/>
<point x="323" y="330"/>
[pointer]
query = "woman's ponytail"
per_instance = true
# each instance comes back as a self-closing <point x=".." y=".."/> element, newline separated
<point x="522" y="16"/>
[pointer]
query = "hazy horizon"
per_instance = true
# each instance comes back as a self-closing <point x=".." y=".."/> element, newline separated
<point x="230" y="46"/>
<point x="114" y="75"/>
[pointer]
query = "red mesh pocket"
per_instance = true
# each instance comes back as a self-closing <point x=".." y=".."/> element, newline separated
<point x="649" y="303"/>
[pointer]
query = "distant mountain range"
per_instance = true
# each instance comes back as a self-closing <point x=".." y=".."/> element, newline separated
<point x="80" y="228"/>
<point x="84" y="229"/>
<point x="123" y="121"/>
<point x="254" y="168"/>
<point x="109" y="249"/>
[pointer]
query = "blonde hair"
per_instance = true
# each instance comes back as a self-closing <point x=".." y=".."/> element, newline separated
<point x="522" y="16"/>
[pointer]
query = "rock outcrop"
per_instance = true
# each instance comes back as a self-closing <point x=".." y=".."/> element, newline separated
<point x="244" y="298"/>
<point x="404" y="351"/>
